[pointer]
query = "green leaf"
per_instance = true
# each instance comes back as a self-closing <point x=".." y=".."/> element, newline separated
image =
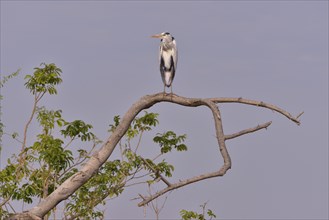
<point x="5" y="79"/>
<point x="181" y="147"/>
<point x="116" y="120"/>
<point x="44" y="79"/>
<point x="48" y="118"/>
<point x="169" y="140"/>
<point x="79" y="129"/>
<point x="188" y="215"/>
<point x="211" y="214"/>
<point x="146" y="122"/>
<point x="14" y="135"/>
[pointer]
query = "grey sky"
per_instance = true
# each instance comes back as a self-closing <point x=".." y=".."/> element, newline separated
<point x="273" y="51"/>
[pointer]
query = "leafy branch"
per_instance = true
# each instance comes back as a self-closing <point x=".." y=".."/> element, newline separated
<point x="41" y="82"/>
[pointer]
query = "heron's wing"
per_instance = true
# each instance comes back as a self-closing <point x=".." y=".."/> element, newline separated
<point x="175" y="54"/>
<point x="162" y="65"/>
<point x="160" y="54"/>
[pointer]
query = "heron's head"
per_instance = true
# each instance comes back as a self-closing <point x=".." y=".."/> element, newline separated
<point x="166" y="36"/>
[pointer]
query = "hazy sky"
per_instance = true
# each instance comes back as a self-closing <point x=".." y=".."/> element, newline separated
<point x="273" y="51"/>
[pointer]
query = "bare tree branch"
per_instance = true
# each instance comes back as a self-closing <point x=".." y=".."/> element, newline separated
<point x="258" y="104"/>
<point x="181" y="183"/>
<point x="100" y="157"/>
<point x="222" y="147"/>
<point x="300" y="114"/>
<point x="247" y="131"/>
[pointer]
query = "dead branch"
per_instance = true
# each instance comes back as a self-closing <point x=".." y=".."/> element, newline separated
<point x="247" y="131"/>
<point x="258" y="104"/>
<point x="181" y="183"/>
<point x="100" y="157"/>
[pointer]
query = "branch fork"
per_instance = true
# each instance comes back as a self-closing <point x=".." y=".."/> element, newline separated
<point x="221" y="138"/>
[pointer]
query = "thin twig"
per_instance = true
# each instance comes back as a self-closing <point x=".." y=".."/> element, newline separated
<point x="5" y="201"/>
<point x="15" y="138"/>
<point x="139" y="141"/>
<point x="300" y="114"/>
<point x="249" y="130"/>
<point x="22" y="156"/>
<point x="156" y="172"/>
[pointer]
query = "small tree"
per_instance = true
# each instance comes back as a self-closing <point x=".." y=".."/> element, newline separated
<point x="54" y="169"/>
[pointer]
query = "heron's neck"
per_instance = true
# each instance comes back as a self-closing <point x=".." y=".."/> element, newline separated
<point x="167" y="45"/>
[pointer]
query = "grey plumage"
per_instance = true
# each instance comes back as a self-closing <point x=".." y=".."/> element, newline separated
<point x="167" y="58"/>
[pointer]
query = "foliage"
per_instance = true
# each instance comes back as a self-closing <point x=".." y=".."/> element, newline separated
<point x="40" y="167"/>
<point x="61" y="148"/>
<point x="5" y="79"/>
<point x="114" y="176"/>
<point x="44" y="79"/>
<point x="189" y="215"/>
<point x="169" y="140"/>
<point x="78" y="129"/>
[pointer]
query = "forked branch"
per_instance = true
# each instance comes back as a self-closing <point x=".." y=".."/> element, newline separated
<point x="221" y="138"/>
<point x="221" y="172"/>
<point x="100" y="157"/>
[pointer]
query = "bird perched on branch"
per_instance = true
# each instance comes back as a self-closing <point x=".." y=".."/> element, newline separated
<point x="167" y="58"/>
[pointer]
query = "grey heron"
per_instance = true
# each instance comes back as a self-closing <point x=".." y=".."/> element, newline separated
<point x="167" y="58"/>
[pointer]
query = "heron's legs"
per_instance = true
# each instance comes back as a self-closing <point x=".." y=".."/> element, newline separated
<point x="171" y="91"/>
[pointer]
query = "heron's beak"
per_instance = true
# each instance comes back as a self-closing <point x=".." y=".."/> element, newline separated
<point x="157" y="36"/>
